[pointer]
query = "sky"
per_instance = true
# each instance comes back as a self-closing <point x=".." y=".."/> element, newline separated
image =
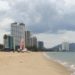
<point x="51" y="21"/>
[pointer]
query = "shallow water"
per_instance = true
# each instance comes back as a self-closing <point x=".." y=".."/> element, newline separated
<point x="65" y="58"/>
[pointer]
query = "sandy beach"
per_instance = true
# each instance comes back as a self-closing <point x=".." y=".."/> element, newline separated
<point x="29" y="63"/>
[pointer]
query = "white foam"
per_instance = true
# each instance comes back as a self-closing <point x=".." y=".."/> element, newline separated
<point x="73" y="73"/>
<point x="70" y="67"/>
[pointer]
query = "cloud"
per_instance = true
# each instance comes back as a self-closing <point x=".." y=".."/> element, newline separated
<point x="50" y="18"/>
<point x="5" y="27"/>
<point x="4" y="6"/>
<point x="5" y="24"/>
<point x="42" y="16"/>
<point x="51" y="40"/>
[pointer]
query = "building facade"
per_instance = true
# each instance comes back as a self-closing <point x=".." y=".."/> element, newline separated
<point x="27" y="38"/>
<point x="40" y="45"/>
<point x="18" y="33"/>
<point x="8" y="42"/>
<point x="33" y="42"/>
<point x="65" y="46"/>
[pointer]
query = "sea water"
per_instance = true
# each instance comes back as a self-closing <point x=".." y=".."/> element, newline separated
<point x="65" y="58"/>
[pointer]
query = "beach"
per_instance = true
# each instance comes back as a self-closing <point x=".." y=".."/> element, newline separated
<point x="29" y="63"/>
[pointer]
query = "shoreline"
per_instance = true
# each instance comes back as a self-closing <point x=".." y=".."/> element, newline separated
<point x="63" y="64"/>
<point x="29" y="63"/>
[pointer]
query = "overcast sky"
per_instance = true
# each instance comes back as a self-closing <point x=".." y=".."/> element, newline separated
<point x="52" y="21"/>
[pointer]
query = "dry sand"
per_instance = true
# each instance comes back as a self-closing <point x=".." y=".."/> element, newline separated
<point x="29" y="63"/>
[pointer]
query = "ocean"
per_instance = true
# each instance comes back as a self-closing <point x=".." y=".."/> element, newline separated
<point x="65" y="58"/>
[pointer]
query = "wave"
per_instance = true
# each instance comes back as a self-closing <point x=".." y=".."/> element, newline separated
<point x="70" y="67"/>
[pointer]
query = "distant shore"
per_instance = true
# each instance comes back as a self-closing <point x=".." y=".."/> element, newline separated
<point x="29" y="63"/>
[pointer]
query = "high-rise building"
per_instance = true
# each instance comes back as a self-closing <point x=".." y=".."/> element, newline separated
<point x="8" y="42"/>
<point x="60" y="49"/>
<point x="33" y="42"/>
<point x="65" y="46"/>
<point x="27" y="38"/>
<point x="18" y="33"/>
<point x="40" y="45"/>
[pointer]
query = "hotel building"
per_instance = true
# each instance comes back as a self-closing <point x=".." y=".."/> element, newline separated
<point x="27" y="38"/>
<point x="65" y="46"/>
<point x="18" y="33"/>
<point x="8" y="42"/>
<point x="40" y="45"/>
<point x="33" y="42"/>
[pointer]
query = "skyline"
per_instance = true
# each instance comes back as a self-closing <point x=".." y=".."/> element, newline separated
<point x="52" y="21"/>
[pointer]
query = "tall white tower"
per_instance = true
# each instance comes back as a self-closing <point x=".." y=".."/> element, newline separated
<point x="18" y="33"/>
<point x="65" y="46"/>
<point x="33" y="42"/>
<point x="27" y="38"/>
